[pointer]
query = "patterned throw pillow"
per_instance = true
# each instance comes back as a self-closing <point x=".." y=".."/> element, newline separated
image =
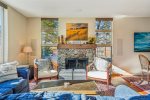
<point x="43" y="64"/>
<point x="100" y="64"/>
<point x="8" y="71"/>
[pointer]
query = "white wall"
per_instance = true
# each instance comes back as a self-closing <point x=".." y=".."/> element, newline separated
<point x="124" y="29"/>
<point x="17" y="35"/>
<point x="34" y="35"/>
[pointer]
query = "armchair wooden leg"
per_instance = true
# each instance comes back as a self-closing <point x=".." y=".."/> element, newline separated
<point x="108" y="83"/>
<point x="36" y="81"/>
<point x="57" y="77"/>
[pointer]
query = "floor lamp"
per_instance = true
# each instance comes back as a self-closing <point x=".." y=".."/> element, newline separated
<point x="27" y="50"/>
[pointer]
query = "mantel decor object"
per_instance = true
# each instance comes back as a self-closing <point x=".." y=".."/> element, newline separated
<point x="66" y="84"/>
<point x="62" y="39"/>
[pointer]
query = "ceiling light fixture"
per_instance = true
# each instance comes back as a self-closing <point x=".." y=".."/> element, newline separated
<point x="120" y="16"/>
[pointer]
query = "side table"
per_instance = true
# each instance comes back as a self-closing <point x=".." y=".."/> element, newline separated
<point x="31" y="68"/>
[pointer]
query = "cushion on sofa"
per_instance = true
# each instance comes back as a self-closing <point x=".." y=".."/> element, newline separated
<point x="17" y="84"/>
<point x="123" y="91"/>
<point x="142" y="97"/>
<point x="8" y="71"/>
<point x="23" y="96"/>
<point x="98" y="97"/>
<point x="4" y="91"/>
<point x="45" y="96"/>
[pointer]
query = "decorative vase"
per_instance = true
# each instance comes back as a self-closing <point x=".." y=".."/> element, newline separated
<point x="62" y="39"/>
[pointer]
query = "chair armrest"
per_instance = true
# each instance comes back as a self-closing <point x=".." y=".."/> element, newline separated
<point x="89" y="67"/>
<point x="55" y="65"/>
<point x="109" y="68"/>
<point x="23" y="72"/>
<point x="35" y="72"/>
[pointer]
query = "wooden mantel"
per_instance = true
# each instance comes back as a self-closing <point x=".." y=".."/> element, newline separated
<point x="76" y="46"/>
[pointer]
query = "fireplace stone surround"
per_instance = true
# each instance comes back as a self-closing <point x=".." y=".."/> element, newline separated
<point x="75" y="51"/>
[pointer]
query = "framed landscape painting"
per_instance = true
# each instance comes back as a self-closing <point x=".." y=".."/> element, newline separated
<point x="142" y="41"/>
<point x="76" y="31"/>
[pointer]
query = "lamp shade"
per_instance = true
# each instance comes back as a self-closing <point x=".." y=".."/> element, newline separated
<point x="27" y="49"/>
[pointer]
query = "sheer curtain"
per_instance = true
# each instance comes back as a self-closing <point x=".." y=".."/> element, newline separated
<point x="3" y="34"/>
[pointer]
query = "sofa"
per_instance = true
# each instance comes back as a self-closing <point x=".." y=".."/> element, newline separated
<point x="16" y="85"/>
<point x="122" y="92"/>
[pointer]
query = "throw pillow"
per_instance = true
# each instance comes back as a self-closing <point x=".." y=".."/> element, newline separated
<point x="43" y="64"/>
<point x="100" y="64"/>
<point x="8" y="71"/>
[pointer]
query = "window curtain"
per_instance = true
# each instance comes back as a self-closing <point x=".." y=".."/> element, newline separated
<point x="3" y="33"/>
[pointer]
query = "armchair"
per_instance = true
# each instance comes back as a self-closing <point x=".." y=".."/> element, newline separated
<point x="43" y="69"/>
<point x="99" y="70"/>
<point x="145" y="68"/>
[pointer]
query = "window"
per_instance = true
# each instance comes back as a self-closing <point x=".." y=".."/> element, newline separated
<point x="3" y="34"/>
<point x="104" y="38"/>
<point x="49" y="35"/>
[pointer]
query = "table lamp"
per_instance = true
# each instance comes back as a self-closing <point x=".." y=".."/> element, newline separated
<point x="27" y="50"/>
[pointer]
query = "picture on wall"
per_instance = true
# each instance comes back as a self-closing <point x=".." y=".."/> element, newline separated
<point x="76" y="31"/>
<point x="142" y="41"/>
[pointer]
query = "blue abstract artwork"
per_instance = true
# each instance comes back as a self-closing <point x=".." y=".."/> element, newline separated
<point x="142" y="41"/>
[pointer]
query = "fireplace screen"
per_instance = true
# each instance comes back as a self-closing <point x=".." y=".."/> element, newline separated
<point x="76" y="63"/>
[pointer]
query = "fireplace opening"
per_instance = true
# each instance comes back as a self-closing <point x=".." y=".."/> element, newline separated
<point x="76" y="63"/>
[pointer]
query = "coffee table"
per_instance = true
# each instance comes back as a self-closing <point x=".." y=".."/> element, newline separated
<point x="76" y="86"/>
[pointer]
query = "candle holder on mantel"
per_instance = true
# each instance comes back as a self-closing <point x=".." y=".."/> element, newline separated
<point x="62" y="39"/>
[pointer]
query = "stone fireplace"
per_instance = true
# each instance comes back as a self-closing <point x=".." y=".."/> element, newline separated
<point x="76" y="52"/>
<point x="72" y="60"/>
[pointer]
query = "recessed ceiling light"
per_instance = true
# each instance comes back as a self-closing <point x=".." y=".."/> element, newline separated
<point x="120" y="16"/>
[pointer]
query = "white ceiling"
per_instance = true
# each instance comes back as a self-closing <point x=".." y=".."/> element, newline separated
<point x="81" y="8"/>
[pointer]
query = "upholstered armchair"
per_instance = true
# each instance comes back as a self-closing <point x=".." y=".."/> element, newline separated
<point x="43" y="69"/>
<point x="99" y="70"/>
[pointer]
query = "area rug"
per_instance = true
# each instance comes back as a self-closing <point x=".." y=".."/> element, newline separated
<point x="102" y="87"/>
<point x="32" y="84"/>
<point x="133" y="80"/>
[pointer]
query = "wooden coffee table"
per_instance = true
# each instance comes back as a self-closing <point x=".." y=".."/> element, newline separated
<point x="76" y="86"/>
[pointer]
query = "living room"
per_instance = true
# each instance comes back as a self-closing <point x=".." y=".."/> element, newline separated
<point x="71" y="40"/>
